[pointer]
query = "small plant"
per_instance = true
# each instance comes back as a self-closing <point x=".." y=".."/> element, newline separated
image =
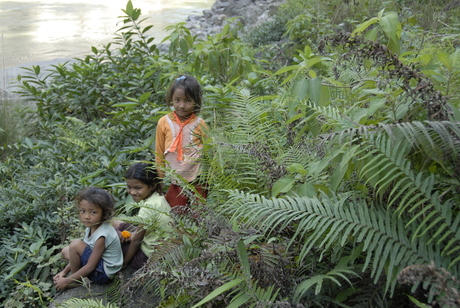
<point x="443" y="288"/>
<point x="33" y="294"/>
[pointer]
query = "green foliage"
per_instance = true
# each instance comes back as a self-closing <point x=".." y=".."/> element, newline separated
<point x="222" y="57"/>
<point x="34" y="293"/>
<point x="85" y="303"/>
<point x="443" y="287"/>
<point x="332" y="162"/>
<point x="268" y="32"/>
<point x="13" y="118"/>
<point x="26" y="265"/>
<point x="87" y="88"/>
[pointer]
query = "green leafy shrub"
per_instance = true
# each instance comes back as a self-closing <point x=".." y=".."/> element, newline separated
<point x="334" y="171"/>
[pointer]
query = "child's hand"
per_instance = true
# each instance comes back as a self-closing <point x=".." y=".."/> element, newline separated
<point x="125" y="236"/>
<point x="57" y="277"/>
<point x="61" y="283"/>
<point x="61" y="274"/>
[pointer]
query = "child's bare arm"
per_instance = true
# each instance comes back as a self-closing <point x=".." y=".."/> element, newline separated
<point x="134" y="246"/>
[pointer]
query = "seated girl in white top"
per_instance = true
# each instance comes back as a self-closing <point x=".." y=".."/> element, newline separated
<point x="98" y="256"/>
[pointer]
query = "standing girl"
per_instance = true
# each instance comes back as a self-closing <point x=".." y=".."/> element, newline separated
<point x="144" y="186"/>
<point x="98" y="256"/>
<point x="179" y="138"/>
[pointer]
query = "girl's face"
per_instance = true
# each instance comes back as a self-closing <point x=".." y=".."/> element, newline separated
<point x="90" y="214"/>
<point x="183" y="105"/>
<point x="138" y="189"/>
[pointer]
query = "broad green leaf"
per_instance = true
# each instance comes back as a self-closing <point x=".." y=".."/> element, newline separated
<point x="126" y="104"/>
<point x="16" y="268"/>
<point x="345" y="163"/>
<point x="136" y="14"/>
<point x="391" y="26"/>
<point x="28" y="142"/>
<point x="371" y="34"/>
<point x="358" y="115"/>
<point x="239" y="300"/>
<point x="219" y="291"/>
<point x="297" y="168"/>
<point x="183" y="46"/>
<point x="313" y="61"/>
<point x="129" y="8"/>
<point x="286" y="69"/>
<point x="445" y="59"/>
<point x="244" y="258"/>
<point x="92" y="175"/>
<point x="144" y="97"/>
<point x="374" y="105"/>
<point x="394" y="46"/>
<point x="360" y="28"/>
<point x="314" y="89"/>
<point x="36" y="246"/>
<point x="283" y="185"/>
<point x="149" y="73"/>
<point x="305" y="189"/>
<point x="324" y="96"/>
<point x="295" y="118"/>
<point x="300" y="89"/>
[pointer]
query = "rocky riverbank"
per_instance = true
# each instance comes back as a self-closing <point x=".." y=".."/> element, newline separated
<point x="251" y="12"/>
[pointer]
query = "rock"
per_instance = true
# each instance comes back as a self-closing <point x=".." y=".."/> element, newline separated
<point x="251" y="12"/>
<point x="100" y="292"/>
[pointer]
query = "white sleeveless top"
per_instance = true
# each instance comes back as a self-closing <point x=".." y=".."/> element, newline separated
<point x="112" y="255"/>
<point x="189" y="166"/>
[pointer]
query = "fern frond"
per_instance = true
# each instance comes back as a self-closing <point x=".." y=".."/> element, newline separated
<point x="382" y="159"/>
<point x="340" y="271"/>
<point x="411" y="191"/>
<point x="328" y="222"/>
<point x="253" y="294"/>
<point x="439" y="141"/>
<point x="246" y="147"/>
<point x="85" y="303"/>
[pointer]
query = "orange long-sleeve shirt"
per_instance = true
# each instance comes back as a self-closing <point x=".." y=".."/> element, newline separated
<point x="166" y="131"/>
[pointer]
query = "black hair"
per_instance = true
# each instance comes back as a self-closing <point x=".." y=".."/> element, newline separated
<point x="97" y="196"/>
<point x="191" y="87"/>
<point x="146" y="173"/>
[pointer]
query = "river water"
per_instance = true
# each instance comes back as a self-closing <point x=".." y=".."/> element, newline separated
<point x="34" y="32"/>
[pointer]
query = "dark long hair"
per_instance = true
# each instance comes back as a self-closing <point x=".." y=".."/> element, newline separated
<point x="191" y="87"/>
<point x="99" y="197"/>
<point x="146" y="173"/>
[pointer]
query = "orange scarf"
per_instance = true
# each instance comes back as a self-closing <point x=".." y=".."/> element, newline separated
<point x="177" y="143"/>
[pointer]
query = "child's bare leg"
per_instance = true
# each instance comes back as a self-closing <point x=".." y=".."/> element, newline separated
<point x="76" y="249"/>
<point x="66" y="270"/>
<point x="65" y="253"/>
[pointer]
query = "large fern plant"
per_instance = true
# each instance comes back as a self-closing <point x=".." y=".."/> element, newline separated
<point x="366" y="200"/>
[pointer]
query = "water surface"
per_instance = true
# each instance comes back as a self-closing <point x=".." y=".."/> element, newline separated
<point x="48" y="32"/>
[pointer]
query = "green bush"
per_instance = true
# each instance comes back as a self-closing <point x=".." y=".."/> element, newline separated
<point x="330" y="170"/>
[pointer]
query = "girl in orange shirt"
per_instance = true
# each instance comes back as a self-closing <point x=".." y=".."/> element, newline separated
<point x="179" y="139"/>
